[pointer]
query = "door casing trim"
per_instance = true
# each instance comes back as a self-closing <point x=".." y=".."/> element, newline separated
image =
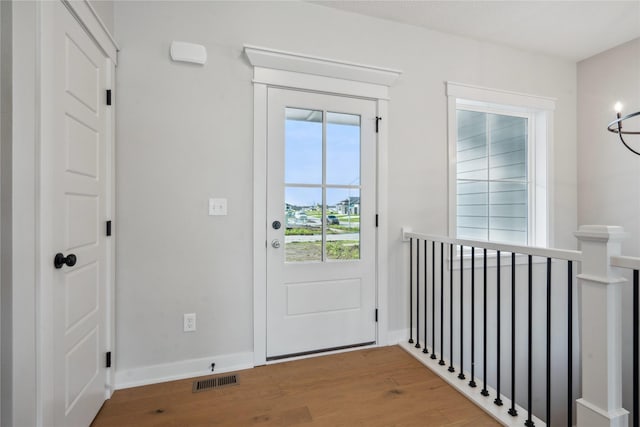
<point x="328" y="81"/>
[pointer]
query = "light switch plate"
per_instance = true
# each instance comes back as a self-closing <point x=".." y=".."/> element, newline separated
<point x="217" y="207"/>
<point x="189" y="321"/>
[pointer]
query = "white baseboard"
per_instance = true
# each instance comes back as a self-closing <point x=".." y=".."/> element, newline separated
<point x="397" y="336"/>
<point x="499" y="413"/>
<point x="182" y="369"/>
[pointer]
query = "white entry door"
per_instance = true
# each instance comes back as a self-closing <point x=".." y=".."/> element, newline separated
<point x="321" y="201"/>
<point x="75" y="121"/>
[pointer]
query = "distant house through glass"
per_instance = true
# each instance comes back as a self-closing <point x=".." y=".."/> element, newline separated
<point x="322" y="185"/>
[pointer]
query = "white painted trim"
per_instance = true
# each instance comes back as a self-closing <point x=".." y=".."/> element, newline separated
<point x="382" y="243"/>
<point x="452" y="166"/>
<point x="600" y="315"/>
<point x="499" y="413"/>
<point x="550" y="184"/>
<point x="273" y="68"/>
<point x="539" y="112"/>
<point x="591" y="415"/>
<point x="259" y="224"/>
<point x="601" y="233"/>
<point x="564" y="254"/>
<point x="323" y="84"/>
<point x="626" y="262"/>
<point x="93" y="25"/>
<point x="189" y="368"/>
<point x="397" y="336"/>
<point x="307" y="64"/>
<point x="499" y="96"/>
<point x="111" y="242"/>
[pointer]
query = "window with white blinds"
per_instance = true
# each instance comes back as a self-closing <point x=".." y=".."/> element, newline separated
<point x="492" y="176"/>
<point x="499" y="149"/>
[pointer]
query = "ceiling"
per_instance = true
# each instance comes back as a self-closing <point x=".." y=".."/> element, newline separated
<point x="573" y="30"/>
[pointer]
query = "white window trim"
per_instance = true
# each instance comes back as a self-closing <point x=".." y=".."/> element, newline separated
<point x="540" y="112"/>
<point x="275" y="68"/>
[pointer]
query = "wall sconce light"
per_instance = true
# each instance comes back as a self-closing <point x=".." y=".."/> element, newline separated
<point x="616" y="125"/>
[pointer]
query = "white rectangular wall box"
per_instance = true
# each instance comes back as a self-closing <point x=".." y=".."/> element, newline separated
<point x="188" y="52"/>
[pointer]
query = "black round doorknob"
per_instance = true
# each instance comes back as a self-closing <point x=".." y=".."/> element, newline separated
<point x="276" y="225"/>
<point x="60" y="260"/>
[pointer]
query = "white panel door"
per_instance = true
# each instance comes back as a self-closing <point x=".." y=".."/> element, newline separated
<point x="75" y="128"/>
<point x="321" y="287"/>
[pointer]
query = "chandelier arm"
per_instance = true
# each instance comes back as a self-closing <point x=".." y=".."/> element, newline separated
<point x="616" y="127"/>
<point x="625" y="144"/>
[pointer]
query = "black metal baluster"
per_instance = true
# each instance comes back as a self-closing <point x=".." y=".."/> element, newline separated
<point x="433" y="300"/>
<point x="636" y="372"/>
<point x="417" y="293"/>
<point x="548" y="419"/>
<point x="411" y="290"/>
<point x="498" y="400"/>
<point x="529" y="422"/>
<point x="426" y="270"/>
<point x="461" y="374"/>
<point x="441" y="361"/>
<point x="451" y="368"/>
<point x="472" y="382"/>
<point x="484" y="391"/>
<point x="512" y="411"/>
<point x="570" y="343"/>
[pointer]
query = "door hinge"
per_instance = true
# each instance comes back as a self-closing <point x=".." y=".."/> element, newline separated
<point x="376" y="220"/>
<point x="108" y="96"/>
<point x="109" y="228"/>
<point x="108" y="364"/>
<point x="376" y="315"/>
<point x="378" y="123"/>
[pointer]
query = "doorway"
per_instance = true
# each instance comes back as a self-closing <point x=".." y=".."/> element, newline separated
<point x="321" y="223"/>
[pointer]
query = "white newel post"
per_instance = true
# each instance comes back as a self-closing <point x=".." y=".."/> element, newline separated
<point x="601" y="402"/>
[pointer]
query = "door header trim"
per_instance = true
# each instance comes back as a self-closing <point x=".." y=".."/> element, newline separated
<point x="315" y="65"/>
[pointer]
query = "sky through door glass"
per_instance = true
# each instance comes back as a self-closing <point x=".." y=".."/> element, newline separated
<point x="322" y="185"/>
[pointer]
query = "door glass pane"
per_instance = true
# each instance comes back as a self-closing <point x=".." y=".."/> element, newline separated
<point x="343" y="223"/>
<point x="303" y="233"/>
<point x="303" y="146"/>
<point x="343" y="149"/>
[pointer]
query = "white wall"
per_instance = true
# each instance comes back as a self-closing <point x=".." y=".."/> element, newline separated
<point x="609" y="174"/>
<point x="185" y="134"/>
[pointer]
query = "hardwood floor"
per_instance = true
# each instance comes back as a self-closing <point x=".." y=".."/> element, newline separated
<point x="375" y="387"/>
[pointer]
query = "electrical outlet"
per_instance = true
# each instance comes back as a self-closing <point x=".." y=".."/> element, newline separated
<point x="189" y="322"/>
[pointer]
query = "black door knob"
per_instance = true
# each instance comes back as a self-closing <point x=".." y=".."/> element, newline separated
<point x="276" y="225"/>
<point x="60" y="260"/>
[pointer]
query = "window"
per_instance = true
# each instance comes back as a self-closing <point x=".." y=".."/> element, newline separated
<point x="498" y="145"/>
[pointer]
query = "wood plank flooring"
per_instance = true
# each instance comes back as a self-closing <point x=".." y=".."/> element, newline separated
<point x="375" y="387"/>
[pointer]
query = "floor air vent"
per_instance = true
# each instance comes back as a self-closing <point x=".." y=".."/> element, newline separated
<point x="215" y="382"/>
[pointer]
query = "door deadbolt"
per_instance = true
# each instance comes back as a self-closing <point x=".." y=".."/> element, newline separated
<point x="276" y="225"/>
